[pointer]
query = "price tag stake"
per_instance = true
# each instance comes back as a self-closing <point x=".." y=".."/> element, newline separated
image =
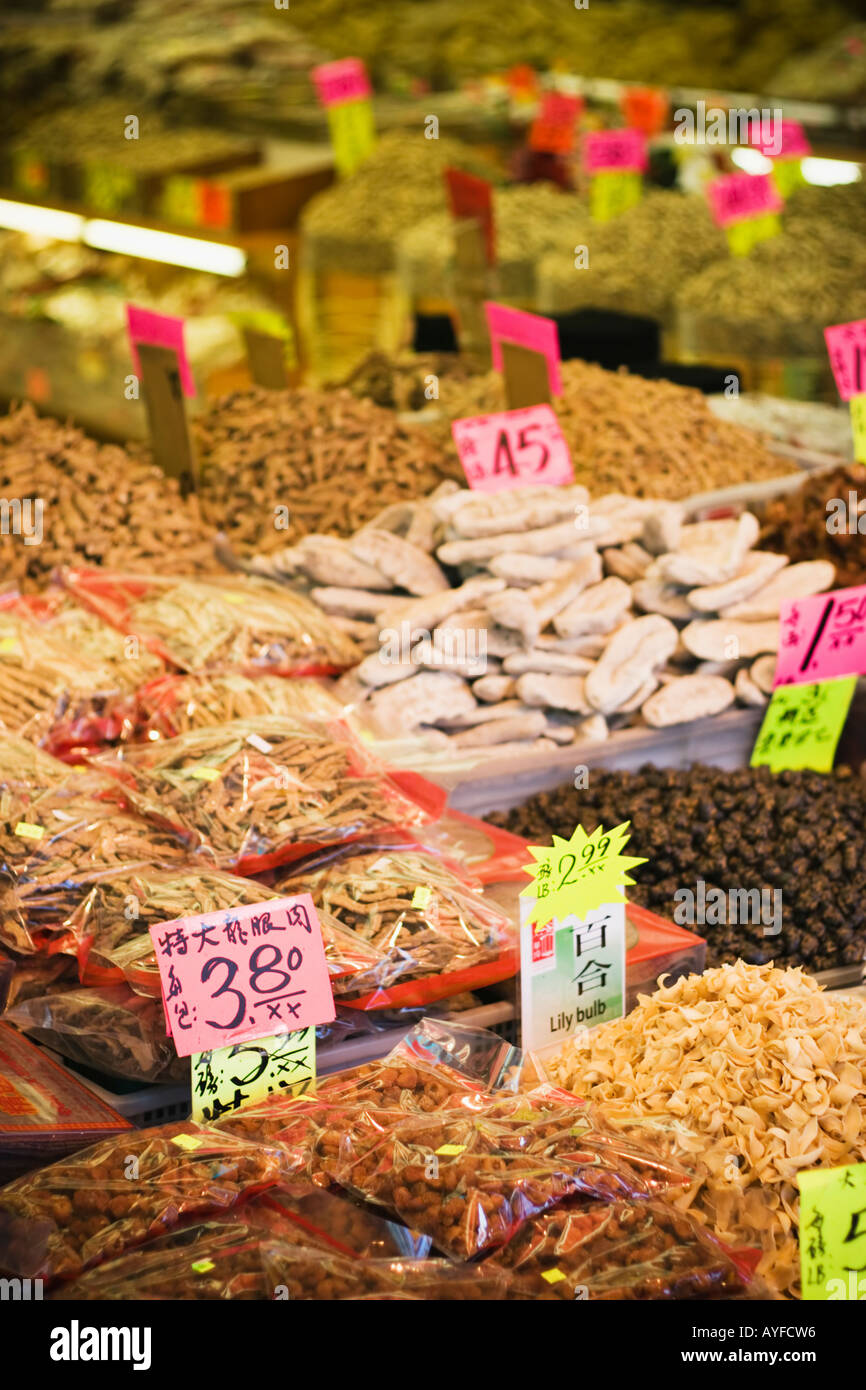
<point x="166" y="414"/>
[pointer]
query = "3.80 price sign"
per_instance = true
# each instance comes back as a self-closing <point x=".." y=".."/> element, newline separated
<point x="513" y="448"/>
<point x="245" y="973"/>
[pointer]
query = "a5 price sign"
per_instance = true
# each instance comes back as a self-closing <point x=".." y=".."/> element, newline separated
<point x="246" y="973"/>
<point x="513" y="448"/>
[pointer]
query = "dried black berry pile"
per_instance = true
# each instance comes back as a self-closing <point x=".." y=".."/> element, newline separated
<point x="803" y="833"/>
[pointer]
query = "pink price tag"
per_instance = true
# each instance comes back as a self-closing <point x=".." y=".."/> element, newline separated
<point x="622" y="150"/>
<point x="245" y="973"/>
<point x="786" y="140"/>
<point x="734" y="197"/>
<point x="846" y="344"/>
<point x="162" y="330"/>
<point x="513" y="448"/>
<point x="822" y="637"/>
<point x="344" y="80"/>
<point x="527" y="330"/>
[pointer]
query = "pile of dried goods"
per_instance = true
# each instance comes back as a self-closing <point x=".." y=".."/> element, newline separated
<point x="824" y="519"/>
<point x="783" y="850"/>
<point x="756" y="1071"/>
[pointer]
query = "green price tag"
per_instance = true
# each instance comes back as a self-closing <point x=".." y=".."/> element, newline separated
<point x="858" y="426"/>
<point x="787" y="175"/>
<point x="833" y="1233"/>
<point x="743" y="235"/>
<point x="228" y="1078"/>
<point x="353" y="134"/>
<point x="612" y="193"/>
<point x="572" y="877"/>
<point x="802" y="725"/>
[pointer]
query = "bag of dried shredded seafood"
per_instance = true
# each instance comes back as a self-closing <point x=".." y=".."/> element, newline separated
<point x="174" y="705"/>
<point x="111" y="922"/>
<point x="436" y="933"/>
<point x="250" y="624"/>
<point x="67" y="677"/>
<point x="252" y="794"/>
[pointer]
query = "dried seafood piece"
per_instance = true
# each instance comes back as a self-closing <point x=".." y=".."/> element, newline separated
<point x="747" y="691"/>
<point x="522" y="571"/>
<point x="327" y="560"/>
<point x="757" y="568"/>
<point x="598" y="609"/>
<point x="405" y="565"/>
<point x="494" y="688"/>
<point x="763" y="673"/>
<point x="562" y="692"/>
<point x="628" y="660"/>
<point x="473" y="515"/>
<point x="686" y="698"/>
<point x="425" y="699"/>
<point x="654" y="596"/>
<point x="717" y="639"/>
<point x="709" y="552"/>
<point x="796" y="581"/>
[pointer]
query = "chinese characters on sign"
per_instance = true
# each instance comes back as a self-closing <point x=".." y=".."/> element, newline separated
<point x="245" y="973"/>
<point x="553" y="129"/>
<point x="833" y="1233"/>
<point x="572" y="973"/>
<point x="616" y="161"/>
<point x="822" y="637"/>
<point x="572" y="935"/>
<point x="802" y="725"/>
<point x="512" y="449"/>
<point x="846" y="345"/>
<point x="226" y="1078"/>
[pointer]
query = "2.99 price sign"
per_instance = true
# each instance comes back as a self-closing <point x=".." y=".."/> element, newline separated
<point x="513" y="448"/>
<point x="245" y="973"/>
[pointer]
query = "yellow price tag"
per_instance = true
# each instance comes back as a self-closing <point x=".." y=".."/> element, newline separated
<point x="204" y="774"/>
<point x="553" y="1276"/>
<point x="246" y="1073"/>
<point x="802" y="725"/>
<point x="451" y="1150"/>
<point x="29" y="832"/>
<point x="353" y="134"/>
<point x="745" y="234"/>
<point x="9" y="644"/>
<point x="858" y="427"/>
<point x="202" y="1266"/>
<point x="833" y="1233"/>
<point x="421" y="897"/>
<point x="787" y="175"/>
<point x="612" y="193"/>
<point x="577" y="875"/>
<point x="188" y="1142"/>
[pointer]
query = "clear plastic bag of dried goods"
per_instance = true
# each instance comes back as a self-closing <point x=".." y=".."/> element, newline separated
<point x="619" y="1250"/>
<point x="102" y="1201"/>
<point x="253" y="625"/>
<point x="66" y="677"/>
<point x="52" y="847"/>
<point x="470" y="1181"/>
<point x="298" y="1273"/>
<point x="112" y="919"/>
<point x="27" y="771"/>
<point x="334" y="1217"/>
<point x="252" y="794"/>
<point x="436" y="933"/>
<point x="174" y="705"/>
<point x="208" y="1261"/>
<point x="110" y="1028"/>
